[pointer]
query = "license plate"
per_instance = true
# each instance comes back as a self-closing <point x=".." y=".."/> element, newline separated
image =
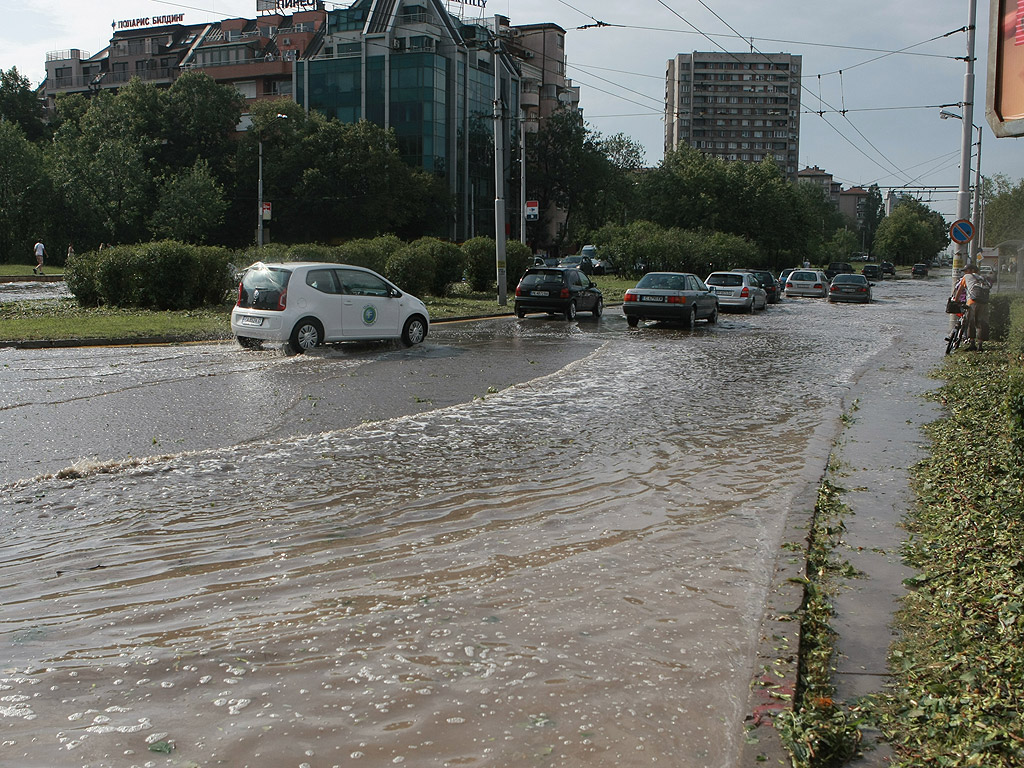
<point x="652" y="298"/>
<point x="540" y="293"/>
<point x="720" y="292"/>
<point x="247" y="320"/>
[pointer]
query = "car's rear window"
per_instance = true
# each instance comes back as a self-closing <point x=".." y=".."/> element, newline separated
<point x="725" y="280"/>
<point x="663" y="282"/>
<point x="804" y="276"/>
<point x="545" y="277"/>
<point x="849" y="279"/>
<point x="262" y="287"/>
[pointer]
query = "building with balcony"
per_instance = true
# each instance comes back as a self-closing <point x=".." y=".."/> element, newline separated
<point x="740" y="107"/>
<point x="822" y="179"/>
<point x="254" y="55"/>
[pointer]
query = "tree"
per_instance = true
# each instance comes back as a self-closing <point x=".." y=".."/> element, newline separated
<point x="199" y="118"/>
<point x="24" y="191"/>
<point x="911" y="233"/>
<point x="190" y="205"/>
<point x="1004" y="209"/>
<point x="19" y="104"/>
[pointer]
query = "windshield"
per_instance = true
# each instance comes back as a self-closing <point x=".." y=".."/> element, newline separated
<point x="725" y="280"/>
<point x="262" y="286"/>
<point x="655" y="281"/>
<point x="545" y="277"/>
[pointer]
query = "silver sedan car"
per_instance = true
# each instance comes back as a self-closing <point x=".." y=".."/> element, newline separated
<point x="807" y="282"/>
<point x="738" y="290"/>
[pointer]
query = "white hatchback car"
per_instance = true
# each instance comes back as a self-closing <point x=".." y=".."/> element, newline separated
<point x="738" y="290"/>
<point x="307" y="304"/>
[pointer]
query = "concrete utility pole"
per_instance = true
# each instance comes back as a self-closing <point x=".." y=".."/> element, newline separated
<point x="499" y="175"/>
<point x="963" y="195"/>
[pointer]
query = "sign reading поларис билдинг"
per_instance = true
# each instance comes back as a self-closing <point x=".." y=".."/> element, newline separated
<point x="149" y="21"/>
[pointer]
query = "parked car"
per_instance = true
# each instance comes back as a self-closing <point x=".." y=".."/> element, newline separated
<point x="783" y="275"/>
<point x="306" y="304"/>
<point x="807" y="282"/>
<point x="888" y="268"/>
<point x="672" y="297"/>
<point x="557" y="291"/>
<point x="919" y="270"/>
<point x="850" y="288"/>
<point x="738" y="290"/>
<point x="838" y="268"/>
<point x="768" y="282"/>
<point x="578" y="261"/>
<point x="872" y="272"/>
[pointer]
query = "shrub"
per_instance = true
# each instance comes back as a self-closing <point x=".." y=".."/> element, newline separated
<point x="412" y="268"/>
<point x="370" y="253"/>
<point x="518" y="259"/>
<point x="163" y="275"/>
<point x="449" y="263"/>
<point x="313" y="252"/>
<point x="271" y="252"/>
<point x="80" y="272"/>
<point x="480" y="262"/>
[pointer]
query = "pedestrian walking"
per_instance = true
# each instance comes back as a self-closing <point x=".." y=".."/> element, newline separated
<point x="40" y="250"/>
<point x="71" y="252"/>
<point x="976" y="287"/>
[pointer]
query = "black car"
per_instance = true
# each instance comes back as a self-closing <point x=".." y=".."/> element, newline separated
<point x="888" y="268"/>
<point x="838" y="268"/>
<point x="768" y="282"/>
<point x="557" y="291"/>
<point x="919" y="270"/>
<point x="872" y="271"/>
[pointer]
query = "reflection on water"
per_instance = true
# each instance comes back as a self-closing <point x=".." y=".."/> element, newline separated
<point x="570" y="572"/>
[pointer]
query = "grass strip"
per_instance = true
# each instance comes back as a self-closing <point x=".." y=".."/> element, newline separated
<point x="957" y="697"/>
<point x="818" y="731"/>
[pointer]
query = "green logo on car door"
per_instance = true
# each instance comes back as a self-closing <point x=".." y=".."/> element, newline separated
<point x="369" y="314"/>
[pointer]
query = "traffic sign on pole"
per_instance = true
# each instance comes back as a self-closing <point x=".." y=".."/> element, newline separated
<point x="962" y="231"/>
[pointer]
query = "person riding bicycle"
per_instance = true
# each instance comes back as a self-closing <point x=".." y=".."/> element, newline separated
<point x="975" y="288"/>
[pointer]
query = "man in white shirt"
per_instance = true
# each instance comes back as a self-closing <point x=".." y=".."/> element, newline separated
<point x="40" y="253"/>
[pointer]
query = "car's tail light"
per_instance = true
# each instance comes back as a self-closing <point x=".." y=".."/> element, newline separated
<point x="630" y="297"/>
<point x="519" y="291"/>
<point x="564" y="294"/>
<point x="817" y="285"/>
<point x="282" y="302"/>
<point x="239" y="302"/>
<point x="745" y="292"/>
<point x="676" y="299"/>
<point x="789" y="284"/>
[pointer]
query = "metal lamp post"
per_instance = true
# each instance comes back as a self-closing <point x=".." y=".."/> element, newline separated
<point x="259" y="188"/>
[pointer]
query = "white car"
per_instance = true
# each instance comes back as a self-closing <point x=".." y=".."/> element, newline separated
<point x="306" y="304"/>
<point x="807" y="282"/>
<point x="738" y="290"/>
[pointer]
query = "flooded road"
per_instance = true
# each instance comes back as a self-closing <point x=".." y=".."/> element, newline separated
<point x="569" y="571"/>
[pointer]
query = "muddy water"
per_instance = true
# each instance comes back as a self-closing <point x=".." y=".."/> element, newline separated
<point x="569" y="572"/>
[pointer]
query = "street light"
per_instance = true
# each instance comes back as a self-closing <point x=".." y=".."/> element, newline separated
<point x="975" y="244"/>
<point x="259" y="186"/>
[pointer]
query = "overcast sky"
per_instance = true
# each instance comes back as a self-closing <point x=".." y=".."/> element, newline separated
<point x="891" y="133"/>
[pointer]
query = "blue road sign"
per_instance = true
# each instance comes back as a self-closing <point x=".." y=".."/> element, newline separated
<point x="962" y="231"/>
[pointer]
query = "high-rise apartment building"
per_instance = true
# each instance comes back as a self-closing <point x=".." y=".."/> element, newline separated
<point x="737" y="106"/>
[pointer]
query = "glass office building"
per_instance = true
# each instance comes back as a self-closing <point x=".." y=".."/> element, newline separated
<point x="411" y="66"/>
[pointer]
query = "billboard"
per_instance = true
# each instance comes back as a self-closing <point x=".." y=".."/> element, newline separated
<point x="286" y="6"/>
<point x="1004" y="101"/>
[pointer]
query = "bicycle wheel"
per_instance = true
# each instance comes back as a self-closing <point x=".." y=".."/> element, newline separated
<point x="956" y="336"/>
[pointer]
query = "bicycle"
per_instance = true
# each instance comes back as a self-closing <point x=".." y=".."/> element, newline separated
<point x="958" y="333"/>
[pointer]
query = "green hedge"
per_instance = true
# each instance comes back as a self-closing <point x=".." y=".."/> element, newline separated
<point x="164" y="275"/>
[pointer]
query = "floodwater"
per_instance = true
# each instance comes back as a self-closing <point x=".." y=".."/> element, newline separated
<point x="24" y="291"/>
<point x="567" y="572"/>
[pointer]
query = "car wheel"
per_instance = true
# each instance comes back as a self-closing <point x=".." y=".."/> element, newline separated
<point x="713" y="317"/>
<point x="691" y="319"/>
<point x="415" y="331"/>
<point x="306" y="335"/>
<point x="750" y="308"/>
<point x="632" y="322"/>
<point x="520" y="312"/>
<point x="247" y="342"/>
<point x="598" y="308"/>
<point x="570" y="311"/>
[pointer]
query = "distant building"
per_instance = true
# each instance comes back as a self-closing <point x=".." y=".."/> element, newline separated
<point x="822" y="179"/>
<point x="852" y="202"/>
<point x="737" y="106"/>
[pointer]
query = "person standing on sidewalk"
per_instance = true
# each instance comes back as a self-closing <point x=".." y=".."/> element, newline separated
<point x="977" y="288"/>
<point x="40" y="250"/>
